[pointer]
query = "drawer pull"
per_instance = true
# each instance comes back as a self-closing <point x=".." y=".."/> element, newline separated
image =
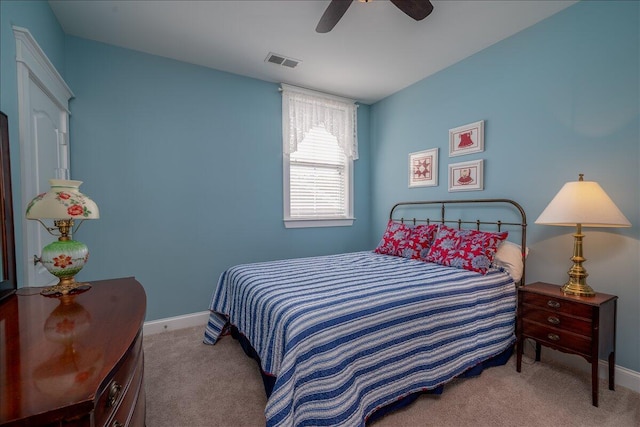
<point x="553" y="320"/>
<point x="116" y="423"/>
<point x="114" y="393"/>
<point x="553" y="304"/>
<point x="553" y="337"/>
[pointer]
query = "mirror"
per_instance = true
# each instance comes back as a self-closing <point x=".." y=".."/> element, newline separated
<point x="9" y="283"/>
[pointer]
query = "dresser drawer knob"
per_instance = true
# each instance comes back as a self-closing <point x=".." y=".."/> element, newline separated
<point x="553" y="304"/>
<point x="114" y="393"/>
<point x="553" y="337"/>
<point x="553" y="320"/>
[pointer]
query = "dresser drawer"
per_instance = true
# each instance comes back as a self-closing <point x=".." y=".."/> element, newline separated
<point x="124" y="413"/>
<point x="557" y="338"/>
<point x="557" y="320"/>
<point x="140" y="411"/>
<point x="116" y="388"/>
<point x="557" y="304"/>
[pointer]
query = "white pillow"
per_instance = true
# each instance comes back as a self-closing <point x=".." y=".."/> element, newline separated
<point x="509" y="256"/>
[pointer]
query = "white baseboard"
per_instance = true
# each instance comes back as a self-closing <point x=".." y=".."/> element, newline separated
<point x="177" y="322"/>
<point x="623" y="377"/>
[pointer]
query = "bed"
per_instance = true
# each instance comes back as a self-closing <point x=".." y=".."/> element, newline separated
<point x="342" y="339"/>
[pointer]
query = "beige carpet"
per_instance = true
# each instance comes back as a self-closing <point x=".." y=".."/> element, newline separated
<point x="190" y="384"/>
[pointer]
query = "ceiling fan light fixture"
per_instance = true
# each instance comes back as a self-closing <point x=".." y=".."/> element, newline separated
<point x="416" y="9"/>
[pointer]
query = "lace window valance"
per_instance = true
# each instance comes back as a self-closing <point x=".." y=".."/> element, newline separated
<point x="308" y="109"/>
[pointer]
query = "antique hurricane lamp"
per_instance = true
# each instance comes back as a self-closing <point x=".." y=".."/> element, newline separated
<point x="64" y="204"/>
<point x="581" y="204"/>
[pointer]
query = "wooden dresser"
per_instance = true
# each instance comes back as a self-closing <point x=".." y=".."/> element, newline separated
<point x="74" y="360"/>
<point x="585" y="326"/>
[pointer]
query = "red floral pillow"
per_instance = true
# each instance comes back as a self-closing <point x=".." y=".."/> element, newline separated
<point x="419" y="241"/>
<point x="469" y="249"/>
<point x="443" y="248"/>
<point x="475" y="241"/>
<point x="394" y="239"/>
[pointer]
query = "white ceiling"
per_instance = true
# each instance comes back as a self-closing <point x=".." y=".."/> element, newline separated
<point x="374" y="51"/>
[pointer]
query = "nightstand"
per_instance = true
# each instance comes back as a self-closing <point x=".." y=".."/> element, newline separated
<point x="585" y="326"/>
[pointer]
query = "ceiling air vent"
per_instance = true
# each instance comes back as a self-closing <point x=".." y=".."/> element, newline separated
<point x="276" y="58"/>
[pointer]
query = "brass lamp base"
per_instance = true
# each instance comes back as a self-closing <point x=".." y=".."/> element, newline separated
<point x="579" y="289"/>
<point x="577" y="284"/>
<point x="66" y="286"/>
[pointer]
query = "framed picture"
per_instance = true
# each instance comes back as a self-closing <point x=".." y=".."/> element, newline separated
<point x="423" y="168"/>
<point x="466" y="139"/>
<point x="466" y="176"/>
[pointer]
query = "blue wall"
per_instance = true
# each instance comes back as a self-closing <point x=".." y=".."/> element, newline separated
<point x="185" y="164"/>
<point x="180" y="155"/>
<point x="558" y="99"/>
<point x="43" y="25"/>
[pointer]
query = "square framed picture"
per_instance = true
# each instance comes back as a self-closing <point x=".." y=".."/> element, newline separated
<point x="423" y="168"/>
<point x="466" y="176"/>
<point x="466" y="139"/>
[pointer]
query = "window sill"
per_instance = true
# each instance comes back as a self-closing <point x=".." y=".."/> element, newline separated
<point x="320" y="222"/>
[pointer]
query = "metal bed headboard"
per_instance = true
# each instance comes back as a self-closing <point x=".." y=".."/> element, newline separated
<point x="522" y="224"/>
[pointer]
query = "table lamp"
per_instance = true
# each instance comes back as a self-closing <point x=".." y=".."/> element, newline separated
<point x="581" y="204"/>
<point x="64" y="258"/>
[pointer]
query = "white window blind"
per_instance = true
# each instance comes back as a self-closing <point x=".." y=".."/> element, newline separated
<point x="319" y="146"/>
<point x="318" y="177"/>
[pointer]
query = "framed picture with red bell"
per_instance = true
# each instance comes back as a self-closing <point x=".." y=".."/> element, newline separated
<point x="466" y="176"/>
<point x="466" y="139"/>
<point x="423" y="168"/>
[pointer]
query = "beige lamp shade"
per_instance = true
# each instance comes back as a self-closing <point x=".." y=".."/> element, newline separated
<point x="581" y="204"/>
<point x="584" y="203"/>
<point x="63" y="201"/>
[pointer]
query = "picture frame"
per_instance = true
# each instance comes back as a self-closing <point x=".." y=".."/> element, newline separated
<point x="466" y="176"/>
<point x="423" y="168"/>
<point x="466" y="139"/>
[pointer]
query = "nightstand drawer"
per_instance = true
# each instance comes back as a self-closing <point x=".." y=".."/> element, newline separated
<point x="557" y="320"/>
<point x="557" y="338"/>
<point x="557" y="304"/>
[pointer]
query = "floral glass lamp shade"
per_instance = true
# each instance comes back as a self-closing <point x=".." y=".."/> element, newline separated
<point x="64" y="258"/>
<point x="581" y="204"/>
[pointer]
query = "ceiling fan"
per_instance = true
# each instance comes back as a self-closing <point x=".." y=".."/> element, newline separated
<point x="416" y="9"/>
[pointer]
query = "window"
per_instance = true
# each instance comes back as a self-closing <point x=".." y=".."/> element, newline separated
<point x="319" y="147"/>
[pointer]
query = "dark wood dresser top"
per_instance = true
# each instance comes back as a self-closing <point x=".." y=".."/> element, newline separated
<point x="57" y="355"/>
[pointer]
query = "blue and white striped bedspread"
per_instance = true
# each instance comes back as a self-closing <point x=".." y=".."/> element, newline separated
<point x="347" y="334"/>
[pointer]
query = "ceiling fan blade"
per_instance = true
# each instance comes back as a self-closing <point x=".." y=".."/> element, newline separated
<point x="417" y="9"/>
<point x="332" y="15"/>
